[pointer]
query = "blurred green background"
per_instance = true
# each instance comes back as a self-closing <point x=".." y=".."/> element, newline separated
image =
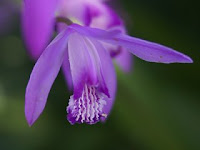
<point x="157" y="106"/>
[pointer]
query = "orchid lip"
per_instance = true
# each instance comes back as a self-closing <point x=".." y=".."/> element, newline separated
<point x="88" y="108"/>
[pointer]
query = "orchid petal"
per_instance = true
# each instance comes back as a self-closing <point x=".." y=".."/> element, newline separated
<point x="82" y="68"/>
<point x="150" y="51"/>
<point x="94" y="56"/>
<point x="38" y="24"/>
<point x="43" y="76"/>
<point x="103" y="17"/>
<point x="94" y="32"/>
<point x="108" y="73"/>
<point x="67" y="72"/>
<point x="145" y="50"/>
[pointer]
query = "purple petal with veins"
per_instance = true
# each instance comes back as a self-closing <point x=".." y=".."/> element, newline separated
<point x="145" y="50"/>
<point x="93" y="103"/>
<point x="67" y="72"/>
<point x="43" y="76"/>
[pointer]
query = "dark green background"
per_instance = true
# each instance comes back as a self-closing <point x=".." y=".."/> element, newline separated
<point x="157" y="106"/>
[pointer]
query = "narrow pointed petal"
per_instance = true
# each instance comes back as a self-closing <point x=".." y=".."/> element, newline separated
<point x="67" y="72"/>
<point x="43" y="76"/>
<point x="38" y="24"/>
<point x="150" y="51"/>
<point x="108" y="73"/>
<point x="82" y="68"/>
<point x="145" y="50"/>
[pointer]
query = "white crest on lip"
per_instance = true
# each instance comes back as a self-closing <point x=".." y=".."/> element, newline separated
<point x="88" y="108"/>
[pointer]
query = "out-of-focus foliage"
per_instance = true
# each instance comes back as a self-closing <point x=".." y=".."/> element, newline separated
<point x="157" y="106"/>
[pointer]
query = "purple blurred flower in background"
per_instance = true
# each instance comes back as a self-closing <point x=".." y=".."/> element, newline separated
<point x="92" y="71"/>
<point x="9" y="11"/>
<point x="38" y="18"/>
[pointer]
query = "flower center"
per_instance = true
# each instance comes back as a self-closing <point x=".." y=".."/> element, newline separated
<point x="64" y="20"/>
<point x="88" y="108"/>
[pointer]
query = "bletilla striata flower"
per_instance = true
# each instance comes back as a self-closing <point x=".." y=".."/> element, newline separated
<point x="92" y="71"/>
<point x="83" y="53"/>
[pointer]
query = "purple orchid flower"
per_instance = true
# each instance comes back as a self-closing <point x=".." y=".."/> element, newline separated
<point x="92" y="71"/>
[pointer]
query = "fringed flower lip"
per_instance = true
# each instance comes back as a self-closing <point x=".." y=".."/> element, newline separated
<point x="92" y="71"/>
